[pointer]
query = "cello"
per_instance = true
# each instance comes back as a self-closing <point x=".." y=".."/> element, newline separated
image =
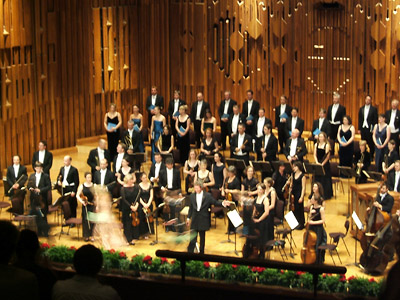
<point x="308" y="253"/>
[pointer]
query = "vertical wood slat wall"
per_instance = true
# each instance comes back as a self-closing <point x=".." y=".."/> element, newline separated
<point x="63" y="61"/>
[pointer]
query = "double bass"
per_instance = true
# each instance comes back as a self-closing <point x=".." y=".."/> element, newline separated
<point x="308" y="253"/>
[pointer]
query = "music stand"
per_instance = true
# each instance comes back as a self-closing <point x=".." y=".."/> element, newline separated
<point x="137" y="159"/>
<point x="237" y="221"/>
<point x="262" y="166"/>
<point x="359" y="226"/>
<point x="314" y="170"/>
<point x="376" y="176"/>
<point x="239" y="164"/>
<point x="293" y="223"/>
<point x="153" y="213"/>
<point x="349" y="173"/>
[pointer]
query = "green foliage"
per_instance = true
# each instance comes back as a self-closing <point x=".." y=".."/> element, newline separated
<point x="195" y="268"/>
<point x="225" y="272"/>
<point x="60" y="254"/>
<point x="363" y="286"/>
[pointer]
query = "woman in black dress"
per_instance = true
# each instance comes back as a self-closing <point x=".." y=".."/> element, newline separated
<point x="112" y="123"/>
<point x="298" y="186"/>
<point x="260" y="219"/>
<point x="208" y="145"/>
<point x="316" y="224"/>
<point x="249" y="184"/>
<point x="129" y="204"/>
<point x="219" y="171"/>
<point x="345" y="138"/>
<point x="182" y="127"/>
<point x="362" y="161"/>
<point x="322" y="153"/>
<point x="231" y="190"/>
<point x="381" y="137"/>
<point x="204" y="175"/>
<point x="270" y="192"/>
<point x="86" y="189"/>
<point x="166" y="143"/>
<point x="146" y="202"/>
<point x="208" y="122"/>
<point x="190" y="169"/>
<point x="390" y="158"/>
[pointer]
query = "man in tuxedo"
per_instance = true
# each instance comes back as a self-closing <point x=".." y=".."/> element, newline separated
<point x="131" y="138"/>
<point x="259" y="122"/>
<point x="39" y="184"/>
<point x="241" y="144"/>
<point x="234" y="120"/>
<point x="43" y="156"/>
<point x="336" y="112"/>
<point x="152" y="101"/>
<point x="384" y="201"/>
<point x="322" y="124"/>
<point x="121" y="154"/>
<point x="367" y="119"/>
<point x="68" y="178"/>
<point x="282" y="113"/>
<point x="14" y="174"/>
<point x="173" y="110"/>
<point x="197" y="113"/>
<point x="393" y="180"/>
<point x="295" y="148"/>
<point x="104" y="176"/>
<point x="156" y="168"/>
<point x="392" y="117"/>
<point x="267" y="145"/>
<point x="294" y="122"/>
<point x="199" y="216"/>
<point x="225" y="111"/>
<point x="250" y="111"/>
<point x="98" y="154"/>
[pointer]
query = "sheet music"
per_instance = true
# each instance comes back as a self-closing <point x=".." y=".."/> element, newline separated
<point x="291" y="220"/>
<point x="357" y="220"/>
<point x="236" y="220"/>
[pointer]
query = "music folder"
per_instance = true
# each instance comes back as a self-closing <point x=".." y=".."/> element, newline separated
<point x="61" y="199"/>
<point x="234" y="217"/>
<point x="291" y="220"/>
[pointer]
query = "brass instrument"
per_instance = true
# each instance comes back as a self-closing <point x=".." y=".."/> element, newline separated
<point x="360" y="162"/>
<point x="128" y="141"/>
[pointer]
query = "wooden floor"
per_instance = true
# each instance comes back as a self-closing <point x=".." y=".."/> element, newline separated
<point x="336" y="212"/>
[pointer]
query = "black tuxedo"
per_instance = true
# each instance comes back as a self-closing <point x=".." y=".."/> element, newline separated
<point x="366" y="132"/>
<point x="197" y="123"/>
<point x="108" y="178"/>
<point x="11" y="178"/>
<point x="391" y="182"/>
<point x="171" y="112"/>
<point x="176" y="179"/>
<point x="271" y="148"/>
<point x="39" y="205"/>
<point x="201" y="219"/>
<point x="253" y="111"/>
<point x="299" y="126"/>
<point x="266" y="121"/>
<point x="247" y="147"/>
<point x="73" y="183"/>
<point x="132" y="141"/>
<point x="301" y="149"/>
<point x="126" y="156"/>
<point x="152" y="172"/>
<point x="159" y="103"/>
<point x="387" y="202"/>
<point x="93" y="160"/>
<point x="394" y="136"/>
<point x="224" y="125"/>
<point x="325" y="127"/>
<point x="282" y="126"/>
<point x="241" y="120"/>
<point x="47" y="161"/>
<point x="341" y="112"/>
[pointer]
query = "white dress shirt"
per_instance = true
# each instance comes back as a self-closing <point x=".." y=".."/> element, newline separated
<point x="396" y="180"/>
<point x="266" y="139"/>
<point x="170" y="175"/>
<point x="235" y="123"/>
<point x="38" y="176"/>
<point x="320" y="122"/>
<point x="293" y="125"/>
<point x="249" y="105"/>
<point x="101" y="153"/>
<point x="16" y="170"/>
<point x="240" y="143"/>
<point x="392" y="119"/>
<point x="153" y="100"/>
<point x="198" y="112"/>
<point x="157" y="168"/>
<point x="41" y="155"/>
<point x="102" y="176"/>
<point x="260" y="126"/>
<point x="283" y="108"/>
<point x="226" y="106"/>
<point x="66" y="171"/>
<point x="293" y="147"/>
<point x="366" y="111"/>
<point x="118" y="162"/>
<point x="176" y="106"/>
<point x="335" y="108"/>
<point x="199" y="200"/>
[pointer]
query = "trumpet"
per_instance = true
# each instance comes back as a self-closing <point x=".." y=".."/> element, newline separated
<point x="128" y="142"/>
<point x="360" y="162"/>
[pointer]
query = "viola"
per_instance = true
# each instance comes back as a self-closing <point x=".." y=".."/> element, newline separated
<point x="135" y="218"/>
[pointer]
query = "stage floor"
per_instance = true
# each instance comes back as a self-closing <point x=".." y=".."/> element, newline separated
<point x="336" y="212"/>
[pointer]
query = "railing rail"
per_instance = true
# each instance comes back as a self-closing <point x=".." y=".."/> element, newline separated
<point x="315" y="270"/>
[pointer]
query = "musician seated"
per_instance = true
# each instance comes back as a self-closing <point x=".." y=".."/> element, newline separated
<point x="384" y="201"/>
<point x="16" y="175"/>
<point x="156" y="168"/>
<point x="170" y="180"/>
<point x="97" y="154"/>
<point x="104" y="176"/>
<point x="394" y="178"/>
<point x="241" y="144"/>
<point x="267" y="145"/>
<point x="363" y="161"/>
<point x="68" y="178"/>
<point x="295" y="148"/>
<point x="131" y="138"/>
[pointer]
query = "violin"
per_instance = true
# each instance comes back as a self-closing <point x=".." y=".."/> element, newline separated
<point x="85" y="199"/>
<point x="135" y="214"/>
<point x="308" y="253"/>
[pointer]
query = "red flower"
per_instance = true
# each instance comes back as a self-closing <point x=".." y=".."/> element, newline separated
<point x="45" y="245"/>
<point x="164" y="260"/>
<point x="351" y="278"/>
<point x="112" y="251"/>
<point x="372" y="279"/>
<point x="342" y="279"/>
<point x="234" y="266"/>
<point x="147" y="258"/>
<point x="260" y="269"/>
<point x="122" y="255"/>
<point x="299" y="273"/>
<point x="173" y="262"/>
<point x="254" y="269"/>
<point x="206" y="264"/>
<point x="324" y="275"/>
<point x="72" y="248"/>
<point x="282" y="272"/>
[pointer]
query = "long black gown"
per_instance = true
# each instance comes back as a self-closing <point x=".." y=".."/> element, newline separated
<point x="326" y="180"/>
<point x="112" y="137"/>
<point x="249" y="185"/>
<point x="298" y="207"/>
<point x="128" y="198"/>
<point x="87" y="227"/>
<point x="346" y="153"/>
<point x="183" y="142"/>
<point x="143" y="226"/>
<point x="321" y="235"/>
<point x="262" y="227"/>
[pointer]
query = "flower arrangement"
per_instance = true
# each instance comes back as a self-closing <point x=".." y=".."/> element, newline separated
<point x="118" y="261"/>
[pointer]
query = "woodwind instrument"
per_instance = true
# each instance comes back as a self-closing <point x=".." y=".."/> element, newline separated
<point x="386" y="161"/>
<point x="360" y="162"/>
<point x="23" y="176"/>
<point x="244" y="143"/>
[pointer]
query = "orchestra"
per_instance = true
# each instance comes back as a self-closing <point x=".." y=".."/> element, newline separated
<point x="211" y="175"/>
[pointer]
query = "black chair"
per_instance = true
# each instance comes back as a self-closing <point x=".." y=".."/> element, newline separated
<point x="331" y="247"/>
<point x="216" y="210"/>
<point x="279" y="213"/>
<point x="335" y="177"/>
<point x="340" y="235"/>
<point x="5" y="204"/>
<point x="276" y="244"/>
<point x="68" y="219"/>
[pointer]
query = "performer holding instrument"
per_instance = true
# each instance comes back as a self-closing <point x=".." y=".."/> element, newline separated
<point x="204" y="175"/>
<point x="231" y="187"/>
<point x="261" y="219"/>
<point x="146" y="226"/>
<point x="298" y="187"/>
<point x="68" y="179"/>
<point x="16" y="176"/>
<point x="362" y="161"/>
<point x="322" y="153"/>
<point x="129" y="207"/>
<point x="85" y="195"/>
<point x="190" y="169"/>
